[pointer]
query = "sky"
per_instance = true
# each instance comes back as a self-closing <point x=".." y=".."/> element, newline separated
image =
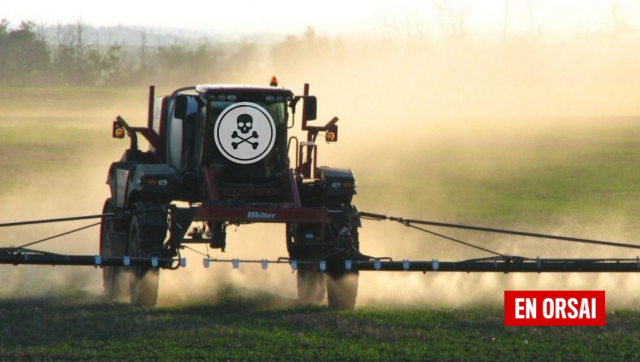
<point x="334" y="17"/>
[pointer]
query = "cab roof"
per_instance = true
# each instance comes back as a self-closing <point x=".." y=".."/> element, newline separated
<point x="240" y="88"/>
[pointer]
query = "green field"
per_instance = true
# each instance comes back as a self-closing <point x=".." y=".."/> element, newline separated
<point x="263" y="326"/>
<point x="576" y="176"/>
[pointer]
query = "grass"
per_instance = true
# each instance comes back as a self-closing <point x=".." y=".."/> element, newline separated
<point x="537" y="175"/>
<point x="31" y="148"/>
<point x="234" y="326"/>
<point x="514" y="174"/>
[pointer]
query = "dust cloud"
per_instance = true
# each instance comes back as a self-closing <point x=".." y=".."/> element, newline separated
<point x="446" y="130"/>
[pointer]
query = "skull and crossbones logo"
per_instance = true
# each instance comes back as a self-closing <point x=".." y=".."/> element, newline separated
<point x="245" y="123"/>
<point x="236" y="132"/>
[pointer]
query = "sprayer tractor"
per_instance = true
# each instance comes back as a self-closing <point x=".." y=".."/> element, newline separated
<point x="222" y="152"/>
<point x="220" y="155"/>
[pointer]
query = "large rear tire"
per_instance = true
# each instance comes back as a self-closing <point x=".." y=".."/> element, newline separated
<point x="145" y="240"/>
<point x="342" y="284"/>
<point x="113" y="242"/>
<point x="311" y="284"/>
<point x="342" y="290"/>
<point x="339" y="284"/>
<point x="310" y="280"/>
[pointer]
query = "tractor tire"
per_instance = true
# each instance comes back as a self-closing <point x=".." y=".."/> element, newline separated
<point x="310" y="280"/>
<point x="113" y="242"/>
<point x="339" y="284"/>
<point x="144" y="240"/>
<point x="342" y="290"/>
<point x="342" y="284"/>
<point x="311" y="285"/>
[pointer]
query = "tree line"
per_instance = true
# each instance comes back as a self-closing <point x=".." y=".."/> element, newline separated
<point x="73" y="55"/>
<point x="30" y="57"/>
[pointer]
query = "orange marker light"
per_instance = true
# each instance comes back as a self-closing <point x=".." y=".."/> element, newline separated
<point x="274" y="81"/>
<point x="120" y="133"/>
<point x="330" y="136"/>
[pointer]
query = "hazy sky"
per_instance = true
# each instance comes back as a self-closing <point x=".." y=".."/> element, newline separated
<point x="329" y="16"/>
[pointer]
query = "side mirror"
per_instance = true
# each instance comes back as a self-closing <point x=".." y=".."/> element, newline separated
<point x="311" y="107"/>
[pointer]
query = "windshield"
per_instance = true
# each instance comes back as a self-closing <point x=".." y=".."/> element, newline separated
<point x="271" y="165"/>
<point x="276" y="110"/>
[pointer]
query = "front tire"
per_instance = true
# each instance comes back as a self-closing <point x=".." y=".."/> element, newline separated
<point x="311" y="286"/>
<point x="339" y="284"/>
<point x="113" y="242"/>
<point x="145" y="240"/>
<point x="342" y="291"/>
<point x="310" y="280"/>
<point x="342" y="284"/>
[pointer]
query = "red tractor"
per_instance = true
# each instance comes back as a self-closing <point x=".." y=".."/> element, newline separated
<point x="222" y="151"/>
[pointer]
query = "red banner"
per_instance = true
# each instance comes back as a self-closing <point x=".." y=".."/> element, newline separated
<point x="554" y="308"/>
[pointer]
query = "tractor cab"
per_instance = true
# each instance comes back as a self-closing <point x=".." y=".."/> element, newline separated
<point x="187" y="121"/>
<point x="232" y="138"/>
<point x="236" y="134"/>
